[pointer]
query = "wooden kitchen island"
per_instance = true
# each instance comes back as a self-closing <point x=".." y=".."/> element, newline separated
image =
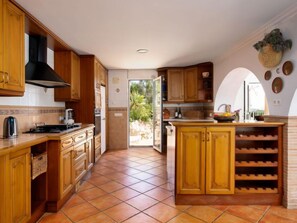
<point x="226" y="163"/>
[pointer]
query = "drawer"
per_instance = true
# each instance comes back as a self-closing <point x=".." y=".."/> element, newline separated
<point x="79" y="170"/>
<point x="97" y="141"/>
<point x="97" y="154"/>
<point x="66" y="143"/>
<point x="80" y="137"/>
<point x="90" y="133"/>
<point x="79" y="152"/>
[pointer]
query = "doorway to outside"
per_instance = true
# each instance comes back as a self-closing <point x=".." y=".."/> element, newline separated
<point x="140" y="113"/>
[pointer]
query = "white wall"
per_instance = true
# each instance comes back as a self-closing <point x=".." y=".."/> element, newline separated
<point x="118" y="81"/>
<point x="245" y="56"/>
<point x="34" y="96"/>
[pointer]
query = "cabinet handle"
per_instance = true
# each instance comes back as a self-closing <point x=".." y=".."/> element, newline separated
<point x="7" y="77"/>
<point x="203" y="137"/>
<point x="3" y="77"/>
<point x="207" y="136"/>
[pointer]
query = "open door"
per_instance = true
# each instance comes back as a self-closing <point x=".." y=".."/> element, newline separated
<point x="157" y="114"/>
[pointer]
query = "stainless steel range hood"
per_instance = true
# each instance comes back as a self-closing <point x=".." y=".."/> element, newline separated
<point x="38" y="72"/>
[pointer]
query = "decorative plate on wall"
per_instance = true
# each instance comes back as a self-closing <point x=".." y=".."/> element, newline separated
<point x="287" y="68"/>
<point x="277" y="85"/>
<point x="267" y="75"/>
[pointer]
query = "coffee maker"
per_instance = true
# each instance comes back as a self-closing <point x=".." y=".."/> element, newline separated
<point x="68" y="120"/>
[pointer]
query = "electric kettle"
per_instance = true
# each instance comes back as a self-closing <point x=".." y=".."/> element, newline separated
<point x="10" y="127"/>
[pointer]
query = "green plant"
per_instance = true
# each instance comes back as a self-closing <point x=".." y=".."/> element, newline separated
<point x="276" y="40"/>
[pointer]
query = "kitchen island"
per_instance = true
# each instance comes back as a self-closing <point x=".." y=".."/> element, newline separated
<point x="226" y="163"/>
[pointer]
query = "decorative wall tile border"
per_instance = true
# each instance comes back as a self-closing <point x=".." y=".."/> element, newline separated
<point x="20" y="110"/>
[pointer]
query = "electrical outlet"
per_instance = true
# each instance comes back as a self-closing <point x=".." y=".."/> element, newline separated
<point x="276" y="102"/>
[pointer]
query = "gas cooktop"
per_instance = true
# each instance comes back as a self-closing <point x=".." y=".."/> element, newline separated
<point x="52" y="128"/>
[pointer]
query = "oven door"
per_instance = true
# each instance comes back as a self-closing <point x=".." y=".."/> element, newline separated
<point x="97" y="123"/>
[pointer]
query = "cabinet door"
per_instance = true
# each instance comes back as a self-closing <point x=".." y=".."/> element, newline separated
<point x="20" y="186"/>
<point x="90" y="151"/>
<point x="13" y="52"/>
<point x="175" y="85"/>
<point x="220" y="156"/>
<point x="66" y="181"/>
<point x="97" y="74"/>
<point x="67" y="65"/>
<point x="191" y="83"/>
<point x="2" y="72"/>
<point x="190" y="177"/>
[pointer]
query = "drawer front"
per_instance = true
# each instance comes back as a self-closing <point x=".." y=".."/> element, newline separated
<point x="97" y="153"/>
<point x="79" y="170"/>
<point x="78" y="152"/>
<point x="66" y="143"/>
<point x="90" y="133"/>
<point x="80" y="137"/>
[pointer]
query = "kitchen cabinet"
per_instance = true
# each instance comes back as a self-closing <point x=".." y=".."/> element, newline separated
<point x="66" y="181"/>
<point x="97" y="146"/>
<point x="188" y="84"/>
<point x="205" y="160"/>
<point x="191" y="84"/>
<point x="67" y="65"/>
<point x="12" y="68"/>
<point x="19" y="186"/>
<point x="90" y="148"/>
<point x="175" y="85"/>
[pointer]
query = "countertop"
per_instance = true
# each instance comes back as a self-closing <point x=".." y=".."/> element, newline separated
<point x="24" y="140"/>
<point x="211" y="122"/>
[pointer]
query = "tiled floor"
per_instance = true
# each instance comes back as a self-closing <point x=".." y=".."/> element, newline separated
<point x="130" y="186"/>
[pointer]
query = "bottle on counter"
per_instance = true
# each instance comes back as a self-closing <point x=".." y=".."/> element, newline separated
<point x="176" y="113"/>
<point x="179" y="113"/>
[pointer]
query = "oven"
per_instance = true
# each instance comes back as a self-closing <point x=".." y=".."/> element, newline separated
<point x="97" y="121"/>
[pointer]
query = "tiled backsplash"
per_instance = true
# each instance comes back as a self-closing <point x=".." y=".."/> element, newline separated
<point x="28" y="116"/>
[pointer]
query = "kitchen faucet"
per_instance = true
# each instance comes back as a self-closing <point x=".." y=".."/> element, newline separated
<point x="227" y="107"/>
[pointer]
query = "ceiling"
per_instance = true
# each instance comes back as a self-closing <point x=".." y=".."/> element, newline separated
<point x="176" y="32"/>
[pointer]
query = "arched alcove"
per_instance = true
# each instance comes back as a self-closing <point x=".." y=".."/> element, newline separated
<point x="231" y="89"/>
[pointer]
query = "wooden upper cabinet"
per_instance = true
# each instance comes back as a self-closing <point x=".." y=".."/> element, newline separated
<point x="98" y="70"/>
<point x="175" y="85"/>
<point x="12" y="68"/>
<point x="190" y="160"/>
<point x="67" y="65"/>
<point x="191" y="84"/>
<point x="103" y="76"/>
<point x="220" y="158"/>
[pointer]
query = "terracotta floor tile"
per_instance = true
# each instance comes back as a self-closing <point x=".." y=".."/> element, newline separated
<point x="271" y="218"/>
<point x="155" y="171"/>
<point x="246" y="212"/>
<point x="185" y="218"/>
<point x="128" y="180"/>
<point x="228" y="218"/>
<point x="159" y="194"/>
<point x="74" y="200"/>
<point x="133" y="164"/>
<point x="80" y="212"/>
<point x="142" y="202"/>
<point x="104" y="170"/>
<point x="121" y="212"/>
<point x="131" y="171"/>
<point x="143" y="176"/>
<point x="220" y="207"/>
<point x="143" y="161"/>
<point x="85" y="185"/>
<point x="105" y="202"/>
<point x="158" y="181"/>
<point x="54" y="218"/>
<point x="204" y="213"/>
<point x="167" y="186"/>
<point x="125" y="193"/>
<point x="142" y="187"/>
<point x="261" y="207"/>
<point x="98" y="180"/>
<point x="111" y="186"/>
<point x="100" y="217"/>
<point x="91" y="194"/>
<point x="141" y="218"/>
<point x="162" y="212"/>
<point x="170" y="201"/>
<point x="283" y="212"/>
<point x="143" y="167"/>
<point x="116" y="175"/>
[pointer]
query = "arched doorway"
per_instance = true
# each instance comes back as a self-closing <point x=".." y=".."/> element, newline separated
<point x="243" y="91"/>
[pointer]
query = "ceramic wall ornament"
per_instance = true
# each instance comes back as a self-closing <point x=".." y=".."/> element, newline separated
<point x="271" y="48"/>
<point x="277" y="85"/>
<point x="287" y="68"/>
<point x="267" y="75"/>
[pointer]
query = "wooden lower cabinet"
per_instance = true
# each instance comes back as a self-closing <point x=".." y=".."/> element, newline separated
<point x="19" y="190"/>
<point x="97" y="147"/>
<point x="205" y="160"/>
<point x="66" y="181"/>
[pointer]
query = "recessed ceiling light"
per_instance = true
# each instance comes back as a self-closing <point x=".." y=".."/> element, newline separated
<point x="142" y="50"/>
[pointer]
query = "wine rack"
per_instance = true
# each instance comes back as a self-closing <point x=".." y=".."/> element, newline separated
<point x="258" y="160"/>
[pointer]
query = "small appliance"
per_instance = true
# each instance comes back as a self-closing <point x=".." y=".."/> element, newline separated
<point x="10" y="127"/>
<point x="68" y="117"/>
